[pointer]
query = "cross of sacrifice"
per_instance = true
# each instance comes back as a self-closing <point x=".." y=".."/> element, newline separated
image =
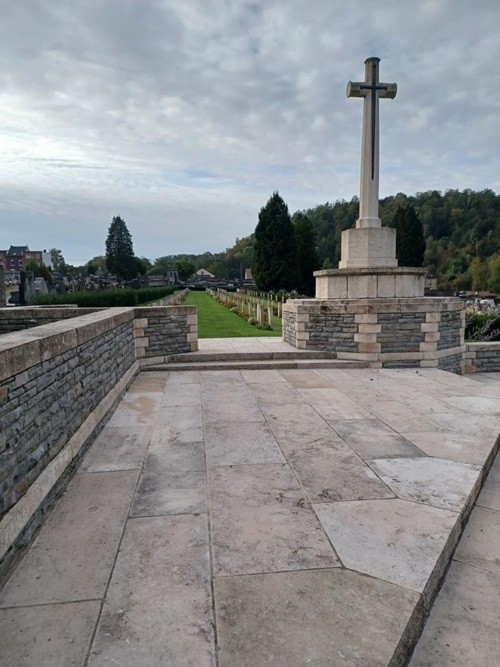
<point x="371" y="89"/>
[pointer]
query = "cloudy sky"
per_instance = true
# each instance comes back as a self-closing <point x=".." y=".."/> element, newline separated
<point x="183" y="116"/>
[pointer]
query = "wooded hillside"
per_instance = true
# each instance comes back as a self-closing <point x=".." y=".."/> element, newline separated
<point x="461" y="228"/>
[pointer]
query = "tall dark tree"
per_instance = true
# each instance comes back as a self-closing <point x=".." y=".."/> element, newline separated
<point x="307" y="257"/>
<point x="410" y="241"/>
<point x="274" y="264"/>
<point x="120" y="258"/>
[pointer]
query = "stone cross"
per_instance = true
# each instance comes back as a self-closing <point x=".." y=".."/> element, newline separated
<point x="371" y="90"/>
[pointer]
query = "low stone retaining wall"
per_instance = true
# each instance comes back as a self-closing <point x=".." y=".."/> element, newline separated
<point x="164" y="331"/>
<point x="172" y="299"/>
<point x="58" y="383"/>
<point x="482" y="357"/>
<point x="392" y="332"/>
<point x="26" y="317"/>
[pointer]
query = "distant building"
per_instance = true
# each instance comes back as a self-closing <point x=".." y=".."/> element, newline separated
<point x="16" y="258"/>
<point x="203" y="273"/>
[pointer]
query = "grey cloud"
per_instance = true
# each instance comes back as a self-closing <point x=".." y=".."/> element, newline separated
<point x="196" y="111"/>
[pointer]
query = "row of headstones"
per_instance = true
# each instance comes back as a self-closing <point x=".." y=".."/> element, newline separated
<point x="253" y="305"/>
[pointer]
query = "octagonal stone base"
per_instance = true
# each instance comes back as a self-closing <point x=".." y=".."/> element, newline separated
<point x="370" y="283"/>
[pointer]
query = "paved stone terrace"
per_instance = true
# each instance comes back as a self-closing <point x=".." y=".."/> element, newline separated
<point x="256" y="518"/>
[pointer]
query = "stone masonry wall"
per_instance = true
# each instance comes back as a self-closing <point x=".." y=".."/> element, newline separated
<point x="384" y="332"/>
<point x="58" y="382"/>
<point x="482" y="358"/>
<point x="338" y="332"/>
<point x="45" y="404"/>
<point x="449" y="330"/>
<point x="18" y="319"/>
<point x="165" y="331"/>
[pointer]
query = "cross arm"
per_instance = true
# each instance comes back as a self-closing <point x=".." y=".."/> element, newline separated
<point x="355" y="89"/>
<point x="388" y="90"/>
<point x="363" y="88"/>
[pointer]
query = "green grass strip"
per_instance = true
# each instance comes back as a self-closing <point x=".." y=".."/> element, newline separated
<point x="216" y="321"/>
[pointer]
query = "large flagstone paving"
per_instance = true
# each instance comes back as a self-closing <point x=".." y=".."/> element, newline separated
<point x="255" y="518"/>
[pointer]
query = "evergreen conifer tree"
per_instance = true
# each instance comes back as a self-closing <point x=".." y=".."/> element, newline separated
<point x="274" y="264"/>
<point x="410" y="241"/>
<point x="306" y="254"/>
<point x="120" y="258"/>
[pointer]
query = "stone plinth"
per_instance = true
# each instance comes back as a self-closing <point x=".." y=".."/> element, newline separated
<point x="372" y="283"/>
<point x="385" y="332"/>
<point x="368" y="247"/>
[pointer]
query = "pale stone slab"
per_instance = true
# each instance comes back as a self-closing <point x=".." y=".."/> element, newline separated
<point x="323" y="618"/>
<point x="456" y="447"/>
<point x="305" y="379"/>
<point x="158" y="608"/>
<point x="422" y="402"/>
<point x="275" y="394"/>
<point x="480" y="405"/>
<point x="179" y="424"/>
<point x="371" y="438"/>
<point x="147" y="381"/>
<point x="137" y="409"/>
<point x="480" y="543"/>
<point x="490" y="494"/>
<point x="264" y="377"/>
<point x="438" y="482"/>
<point x="53" y="635"/>
<point x="329" y="471"/>
<point x="333" y="404"/>
<point x="72" y="557"/>
<point x="487" y="426"/>
<point x="395" y="540"/>
<point x="219" y="379"/>
<point x="463" y="627"/>
<point x="183" y="394"/>
<point x="174" y="457"/>
<point x="233" y="406"/>
<point x="160" y="493"/>
<point x="117" y="448"/>
<point x="261" y="522"/>
<point x="293" y="424"/>
<point x="402" y="418"/>
<point x="186" y="377"/>
<point x="230" y="443"/>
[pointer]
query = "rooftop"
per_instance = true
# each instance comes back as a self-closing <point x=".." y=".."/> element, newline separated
<point x="284" y="517"/>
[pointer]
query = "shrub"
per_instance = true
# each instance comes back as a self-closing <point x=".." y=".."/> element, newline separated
<point x="483" y="327"/>
<point x="105" y="298"/>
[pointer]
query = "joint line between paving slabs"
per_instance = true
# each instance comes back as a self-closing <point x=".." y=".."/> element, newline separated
<point x="127" y="516"/>
<point x="209" y="533"/>
<point x="50" y="604"/>
<point x="304" y="494"/>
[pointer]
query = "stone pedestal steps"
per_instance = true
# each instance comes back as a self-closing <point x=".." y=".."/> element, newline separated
<point x="250" y="361"/>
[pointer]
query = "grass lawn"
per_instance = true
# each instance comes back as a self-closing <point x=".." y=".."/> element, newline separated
<point x="216" y="321"/>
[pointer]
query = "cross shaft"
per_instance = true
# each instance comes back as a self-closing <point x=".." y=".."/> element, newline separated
<point x="371" y="90"/>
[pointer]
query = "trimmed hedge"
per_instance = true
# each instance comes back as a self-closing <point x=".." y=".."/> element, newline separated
<point x="105" y="298"/>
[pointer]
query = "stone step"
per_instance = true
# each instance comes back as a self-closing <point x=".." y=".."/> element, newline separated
<point x="255" y="364"/>
<point x="248" y="356"/>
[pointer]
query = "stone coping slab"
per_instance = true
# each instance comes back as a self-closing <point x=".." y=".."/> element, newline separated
<point x="263" y="529"/>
